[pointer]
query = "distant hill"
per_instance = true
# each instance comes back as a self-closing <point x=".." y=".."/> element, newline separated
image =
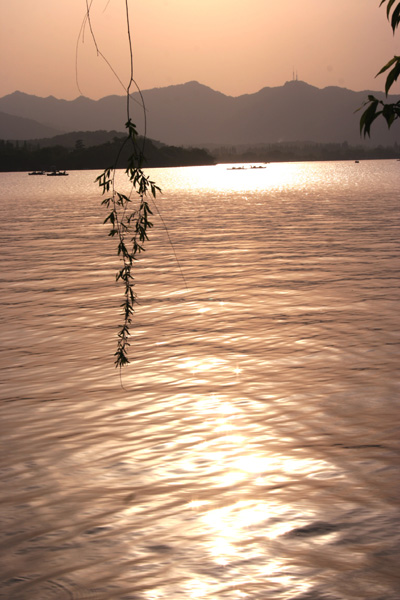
<point x="20" y="128"/>
<point x="81" y="114"/>
<point x="192" y="114"/>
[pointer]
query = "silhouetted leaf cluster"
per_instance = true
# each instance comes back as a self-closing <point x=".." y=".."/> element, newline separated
<point x="130" y="222"/>
<point x="377" y="108"/>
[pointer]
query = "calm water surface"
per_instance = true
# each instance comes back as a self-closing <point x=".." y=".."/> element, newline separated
<point x="252" y="451"/>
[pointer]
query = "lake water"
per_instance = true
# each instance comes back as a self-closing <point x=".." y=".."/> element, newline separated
<point x="252" y="450"/>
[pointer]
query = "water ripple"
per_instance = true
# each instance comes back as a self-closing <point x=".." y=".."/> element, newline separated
<point x="252" y="450"/>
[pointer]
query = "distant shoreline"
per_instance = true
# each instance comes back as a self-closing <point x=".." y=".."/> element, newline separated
<point x="31" y="156"/>
<point x="17" y="156"/>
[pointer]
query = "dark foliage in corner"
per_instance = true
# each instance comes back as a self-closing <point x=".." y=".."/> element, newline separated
<point x="377" y="108"/>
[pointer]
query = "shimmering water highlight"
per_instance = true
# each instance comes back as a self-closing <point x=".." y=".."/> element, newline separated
<point x="253" y="448"/>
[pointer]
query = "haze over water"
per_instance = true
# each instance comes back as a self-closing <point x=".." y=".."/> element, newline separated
<point x="252" y="451"/>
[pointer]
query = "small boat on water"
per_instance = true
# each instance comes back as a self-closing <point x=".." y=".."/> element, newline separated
<point x="57" y="174"/>
<point x="246" y="168"/>
<point x="36" y="173"/>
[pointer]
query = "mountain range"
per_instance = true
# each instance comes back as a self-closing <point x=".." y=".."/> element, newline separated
<point x="193" y="114"/>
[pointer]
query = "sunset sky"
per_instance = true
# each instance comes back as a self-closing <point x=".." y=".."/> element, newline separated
<point x="233" y="46"/>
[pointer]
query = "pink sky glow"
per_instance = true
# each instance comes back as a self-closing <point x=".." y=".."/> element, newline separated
<point x="234" y="46"/>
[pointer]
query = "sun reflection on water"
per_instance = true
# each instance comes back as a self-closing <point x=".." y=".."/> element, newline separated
<point x="253" y="450"/>
<point x="225" y="179"/>
<point x="253" y="511"/>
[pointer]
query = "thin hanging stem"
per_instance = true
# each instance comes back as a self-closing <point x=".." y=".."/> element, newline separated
<point x="129" y="220"/>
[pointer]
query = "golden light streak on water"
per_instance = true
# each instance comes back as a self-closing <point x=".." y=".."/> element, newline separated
<point x="253" y="450"/>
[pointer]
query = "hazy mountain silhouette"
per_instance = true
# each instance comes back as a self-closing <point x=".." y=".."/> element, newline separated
<point x="20" y="128"/>
<point x="192" y="114"/>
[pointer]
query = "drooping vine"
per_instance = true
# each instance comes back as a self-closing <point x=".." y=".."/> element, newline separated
<point x="130" y="214"/>
<point x="129" y="220"/>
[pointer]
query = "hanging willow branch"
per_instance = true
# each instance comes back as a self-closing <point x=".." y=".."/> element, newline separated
<point x="130" y="223"/>
<point x="129" y="214"/>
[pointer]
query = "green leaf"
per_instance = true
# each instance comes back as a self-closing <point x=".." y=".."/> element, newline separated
<point x="111" y="218"/>
<point x="389" y="6"/>
<point x="391" y="112"/>
<point x="393" y="76"/>
<point x="388" y="65"/>
<point x="395" y="18"/>
<point x="369" y="116"/>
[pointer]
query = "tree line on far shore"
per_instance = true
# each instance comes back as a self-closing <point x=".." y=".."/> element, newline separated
<point x="303" y="151"/>
<point x="31" y="156"/>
